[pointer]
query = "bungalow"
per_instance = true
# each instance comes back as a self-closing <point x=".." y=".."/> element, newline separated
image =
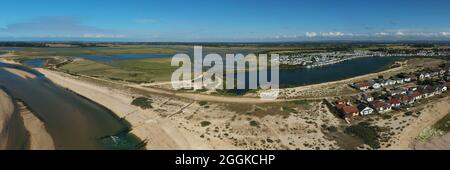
<point x="350" y="111"/>
<point x="437" y="72"/>
<point x="341" y="102"/>
<point x="407" y="79"/>
<point x="427" y="91"/>
<point x="397" y="92"/>
<point x="411" y="88"/>
<point x="368" y="98"/>
<point x="383" y="82"/>
<point x="339" y="107"/>
<point x="406" y="99"/>
<point x="365" y="110"/>
<point x="399" y="80"/>
<point x="361" y="85"/>
<point x="415" y="94"/>
<point x="380" y="106"/>
<point x="434" y="73"/>
<point x="391" y="82"/>
<point x="376" y="86"/>
<point x="424" y="75"/>
<point x="440" y="89"/>
<point x="395" y="102"/>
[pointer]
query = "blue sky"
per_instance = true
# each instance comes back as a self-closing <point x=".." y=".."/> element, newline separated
<point x="224" y="20"/>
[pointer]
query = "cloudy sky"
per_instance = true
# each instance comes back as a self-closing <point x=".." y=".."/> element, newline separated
<point x="224" y="20"/>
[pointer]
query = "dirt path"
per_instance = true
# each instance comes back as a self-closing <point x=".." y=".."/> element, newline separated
<point x="431" y="113"/>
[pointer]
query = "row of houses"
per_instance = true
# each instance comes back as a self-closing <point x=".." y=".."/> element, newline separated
<point x="400" y="79"/>
<point x="431" y="74"/>
<point x="378" y="83"/>
<point x="369" y="105"/>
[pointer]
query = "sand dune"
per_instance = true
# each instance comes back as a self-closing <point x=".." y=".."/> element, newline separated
<point x="6" y="110"/>
<point x="20" y="73"/>
<point x="39" y="138"/>
<point x="162" y="133"/>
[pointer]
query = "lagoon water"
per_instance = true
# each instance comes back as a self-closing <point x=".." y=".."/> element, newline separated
<point x="340" y="71"/>
<point x="38" y="62"/>
<point x="73" y="121"/>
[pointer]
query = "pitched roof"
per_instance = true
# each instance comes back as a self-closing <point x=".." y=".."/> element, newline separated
<point x="394" y="100"/>
<point x="362" y="84"/>
<point x="349" y="109"/>
<point x="378" y="104"/>
<point x="362" y="106"/>
<point x="339" y="106"/>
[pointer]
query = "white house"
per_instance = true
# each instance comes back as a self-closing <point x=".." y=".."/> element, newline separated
<point x="391" y="82"/>
<point x="376" y="85"/>
<point x="407" y="79"/>
<point x="384" y="83"/>
<point x="365" y="110"/>
<point x="368" y="98"/>
<point x="399" y="81"/>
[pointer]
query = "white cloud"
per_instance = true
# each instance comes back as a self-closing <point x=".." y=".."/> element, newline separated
<point x="327" y="34"/>
<point x="400" y="33"/>
<point x="311" y="34"/>
<point x="445" y="33"/>
<point x="102" y="36"/>
<point x="382" y="34"/>
<point x="332" y="34"/>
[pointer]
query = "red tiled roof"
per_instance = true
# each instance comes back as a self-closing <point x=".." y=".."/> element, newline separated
<point x="394" y="101"/>
<point x="378" y="104"/>
<point x="415" y="94"/>
<point x="349" y="110"/>
<point x="362" y="84"/>
<point x="340" y="102"/>
<point x="340" y="106"/>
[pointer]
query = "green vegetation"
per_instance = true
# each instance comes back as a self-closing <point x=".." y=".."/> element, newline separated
<point x="288" y="109"/>
<point x="205" y="123"/>
<point x="138" y="71"/>
<point x="254" y="123"/>
<point x="368" y="133"/>
<point x="330" y="128"/>
<point x="143" y="102"/>
<point x="202" y="103"/>
<point x="429" y="132"/>
<point x="443" y="124"/>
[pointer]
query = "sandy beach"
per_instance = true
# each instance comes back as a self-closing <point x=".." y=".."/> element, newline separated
<point x="431" y="113"/>
<point x="20" y="73"/>
<point x="6" y="110"/>
<point x="39" y="138"/>
<point x="160" y="133"/>
<point x="175" y="122"/>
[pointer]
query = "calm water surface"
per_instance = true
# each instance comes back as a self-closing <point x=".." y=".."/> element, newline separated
<point x="73" y="122"/>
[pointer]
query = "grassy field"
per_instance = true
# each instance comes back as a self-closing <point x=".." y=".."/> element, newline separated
<point x="139" y="71"/>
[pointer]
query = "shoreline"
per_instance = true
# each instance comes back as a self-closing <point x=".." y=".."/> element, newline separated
<point x="39" y="138"/>
<point x="159" y="133"/>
